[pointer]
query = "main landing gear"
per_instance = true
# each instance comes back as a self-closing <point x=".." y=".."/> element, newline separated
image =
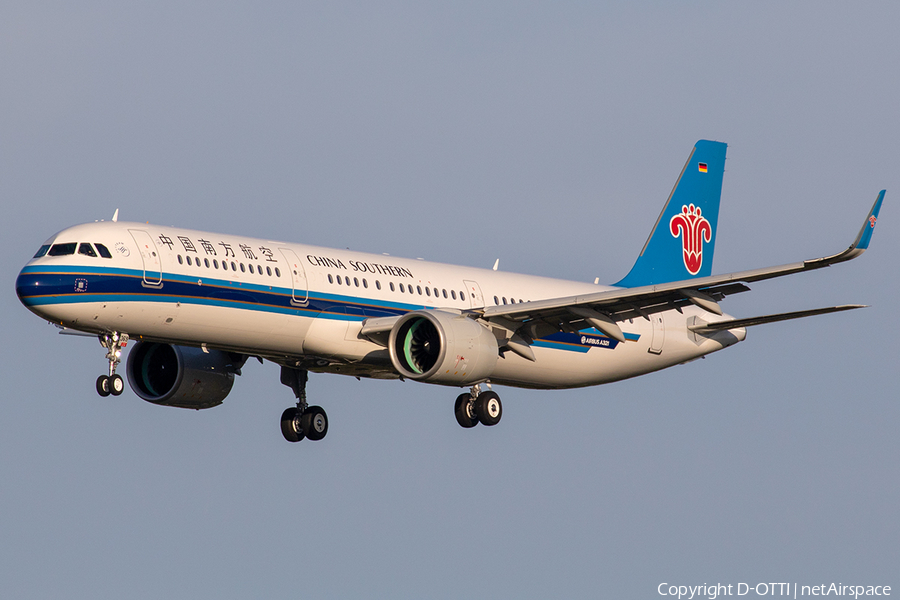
<point x="478" y="407"/>
<point x="112" y="383"/>
<point x="303" y="420"/>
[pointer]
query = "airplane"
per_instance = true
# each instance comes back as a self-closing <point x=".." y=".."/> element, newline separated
<point x="200" y="304"/>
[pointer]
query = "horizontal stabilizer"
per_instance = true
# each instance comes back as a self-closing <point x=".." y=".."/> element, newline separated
<point x="735" y="323"/>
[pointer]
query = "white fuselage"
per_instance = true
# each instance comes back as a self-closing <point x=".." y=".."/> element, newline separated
<point x="283" y="301"/>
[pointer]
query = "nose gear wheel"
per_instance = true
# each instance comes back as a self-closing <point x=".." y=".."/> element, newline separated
<point x="301" y="421"/>
<point x="112" y="383"/>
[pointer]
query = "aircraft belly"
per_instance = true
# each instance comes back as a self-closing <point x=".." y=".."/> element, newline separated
<point x="555" y="368"/>
<point x="586" y="364"/>
<point x="235" y="328"/>
<point x="337" y="338"/>
<point x="187" y="324"/>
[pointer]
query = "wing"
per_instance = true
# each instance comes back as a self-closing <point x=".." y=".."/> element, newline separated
<point x="604" y="309"/>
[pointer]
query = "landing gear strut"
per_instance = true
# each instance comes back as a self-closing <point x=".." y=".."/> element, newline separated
<point x="303" y="420"/>
<point x="112" y="383"/>
<point x="478" y="407"/>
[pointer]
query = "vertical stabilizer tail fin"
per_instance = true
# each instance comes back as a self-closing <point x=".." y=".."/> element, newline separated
<point x="682" y="242"/>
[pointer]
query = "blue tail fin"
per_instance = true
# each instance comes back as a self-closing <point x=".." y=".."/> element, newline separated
<point x="682" y="241"/>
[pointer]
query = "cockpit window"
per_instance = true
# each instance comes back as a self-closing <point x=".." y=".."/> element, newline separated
<point x="42" y="251"/>
<point x="103" y="251"/>
<point x="62" y="249"/>
<point x="87" y="250"/>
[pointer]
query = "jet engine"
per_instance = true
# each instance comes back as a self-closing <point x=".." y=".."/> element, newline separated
<point x="181" y="376"/>
<point x="442" y="347"/>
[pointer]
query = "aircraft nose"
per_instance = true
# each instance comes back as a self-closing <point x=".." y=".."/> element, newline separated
<point x="25" y="287"/>
<point x="31" y="287"/>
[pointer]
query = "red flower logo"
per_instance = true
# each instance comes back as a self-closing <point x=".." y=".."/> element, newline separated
<point x="694" y="229"/>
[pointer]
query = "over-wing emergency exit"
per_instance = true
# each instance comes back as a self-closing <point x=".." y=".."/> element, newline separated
<point x="200" y="304"/>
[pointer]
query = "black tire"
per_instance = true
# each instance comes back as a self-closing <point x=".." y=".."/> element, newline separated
<point x="315" y="423"/>
<point x="488" y="408"/>
<point x="116" y="385"/>
<point x="103" y="385"/>
<point x="465" y="416"/>
<point x="288" y="427"/>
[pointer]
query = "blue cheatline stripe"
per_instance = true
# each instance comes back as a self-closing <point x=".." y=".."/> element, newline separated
<point x="111" y="285"/>
<point x="560" y="346"/>
<point x="58" y="286"/>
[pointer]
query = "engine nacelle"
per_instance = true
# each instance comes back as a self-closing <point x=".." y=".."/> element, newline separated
<point x="441" y="347"/>
<point x="179" y="375"/>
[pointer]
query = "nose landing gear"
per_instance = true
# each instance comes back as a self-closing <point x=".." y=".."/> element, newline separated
<point x="112" y="383"/>
<point x="303" y="420"/>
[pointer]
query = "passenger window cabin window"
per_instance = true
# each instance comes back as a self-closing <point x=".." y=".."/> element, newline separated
<point x="269" y="273"/>
<point x="103" y="250"/>
<point x="445" y="293"/>
<point x="215" y="264"/>
<point x="453" y="294"/>
<point x="401" y="287"/>
<point x="496" y="300"/>
<point x="180" y="261"/>
<point x="188" y="259"/>
<point x="377" y="284"/>
<point x="42" y="251"/>
<point x="233" y="266"/>
<point x="392" y="285"/>
<point x="419" y="288"/>
<point x="427" y="292"/>
<point x="330" y="278"/>
<point x="251" y="268"/>
<point x="62" y="249"/>
<point x="242" y="268"/>
<point x="277" y="272"/>
<point x="206" y="262"/>
<point x="338" y="279"/>
<point x="365" y="284"/>
<point x="462" y="295"/>
<point x="356" y="282"/>
<point x="504" y="299"/>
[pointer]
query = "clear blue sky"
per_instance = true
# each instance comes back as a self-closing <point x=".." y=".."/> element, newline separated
<point x="547" y="135"/>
